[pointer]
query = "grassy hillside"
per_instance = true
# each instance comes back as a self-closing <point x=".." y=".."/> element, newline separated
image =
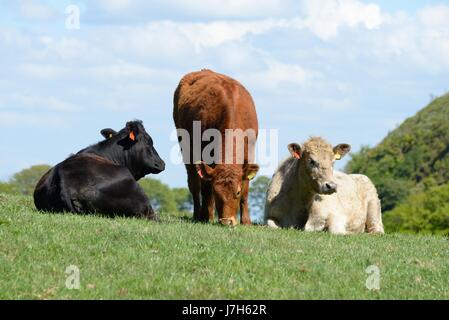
<point x="412" y="158"/>
<point x="410" y="168"/>
<point x="177" y="259"/>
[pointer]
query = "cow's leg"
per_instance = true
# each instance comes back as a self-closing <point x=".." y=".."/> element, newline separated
<point x="143" y="208"/>
<point x="139" y="205"/>
<point x="315" y="223"/>
<point x="317" y="218"/>
<point x="272" y="224"/>
<point x="244" y="212"/>
<point x="207" y="202"/>
<point x="149" y="213"/>
<point x="337" y="224"/>
<point x="194" y="183"/>
<point x="121" y="196"/>
<point x="374" y="217"/>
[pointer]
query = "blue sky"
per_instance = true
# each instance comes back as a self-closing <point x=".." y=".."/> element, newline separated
<point x="346" y="70"/>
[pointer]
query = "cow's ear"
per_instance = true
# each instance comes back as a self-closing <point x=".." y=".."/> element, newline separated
<point x="295" y="150"/>
<point x="133" y="130"/>
<point x="341" y="150"/>
<point x="250" y="171"/>
<point x="108" y="133"/>
<point x="205" y="171"/>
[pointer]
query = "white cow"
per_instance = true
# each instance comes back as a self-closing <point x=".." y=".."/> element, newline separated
<point x="307" y="193"/>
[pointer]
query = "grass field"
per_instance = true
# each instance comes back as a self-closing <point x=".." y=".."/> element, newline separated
<point x="177" y="259"/>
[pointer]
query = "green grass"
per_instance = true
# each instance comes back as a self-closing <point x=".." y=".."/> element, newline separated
<point x="177" y="259"/>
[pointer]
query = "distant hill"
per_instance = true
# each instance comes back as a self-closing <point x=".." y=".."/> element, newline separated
<point x="412" y="159"/>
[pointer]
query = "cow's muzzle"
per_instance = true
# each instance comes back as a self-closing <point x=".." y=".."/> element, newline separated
<point x="228" y="221"/>
<point x="158" y="166"/>
<point x="328" y="188"/>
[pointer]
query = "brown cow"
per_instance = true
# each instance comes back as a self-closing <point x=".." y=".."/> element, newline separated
<point x="220" y="103"/>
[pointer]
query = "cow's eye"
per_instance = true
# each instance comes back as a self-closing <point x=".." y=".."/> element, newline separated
<point x="312" y="162"/>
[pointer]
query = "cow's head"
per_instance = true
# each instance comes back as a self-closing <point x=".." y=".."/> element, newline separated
<point x="136" y="145"/>
<point x="316" y="160"/>
<point x="227" y="183"/>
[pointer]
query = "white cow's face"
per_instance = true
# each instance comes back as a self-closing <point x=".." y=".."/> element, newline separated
<point x="317" y="158"/>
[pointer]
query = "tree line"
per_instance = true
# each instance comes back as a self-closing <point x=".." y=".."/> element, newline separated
<point x="173" y="201"/>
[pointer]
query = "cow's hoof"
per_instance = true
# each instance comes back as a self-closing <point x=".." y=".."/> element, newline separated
<point x="154" y="217"/>
<point x="272" y="224"/>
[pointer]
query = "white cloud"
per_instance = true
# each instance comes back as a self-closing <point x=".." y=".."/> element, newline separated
<point x="35" y="102"/>
<point x="200" y="8"/>
<point x="435" y="18"/>
<point x="21" y="119"/>
<point x="29" y="9"/>
<point x="216" y="33"/>
<point x="332" y="103"/>
<point x="278" y="75"/>
<point x="173" y="41"/>
<point x="41" y="71"/>
<point x="421" y="41"/>
<point x="325" y="17"/>
<point x="231" y="8"/>
<point x="185" y="36"/>
<point x="13" y="38"/>
<point x="124" y="71"/>
<point x="66" y="48"/>
<point x="116" y="5"/>
<point x="435" y="38"/>
<point x="119" y="71"/>
<point x="43" y="103"/>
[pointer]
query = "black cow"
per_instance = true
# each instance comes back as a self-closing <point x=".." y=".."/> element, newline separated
<point x="102" y="178"/>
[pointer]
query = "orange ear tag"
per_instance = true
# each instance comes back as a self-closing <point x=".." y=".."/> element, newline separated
<point x="132" y="136"/>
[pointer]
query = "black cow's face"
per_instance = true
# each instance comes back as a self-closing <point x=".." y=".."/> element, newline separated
<point x="138" y="147"/>
<point x="150" y="158"/>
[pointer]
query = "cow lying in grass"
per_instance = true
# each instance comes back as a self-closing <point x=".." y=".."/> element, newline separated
<point x="102" y="178"/>
<point x="306" y="193"/>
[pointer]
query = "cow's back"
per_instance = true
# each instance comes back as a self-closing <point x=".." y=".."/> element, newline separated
<point x="354" y="191"/>
<point x="87" y="183"/>
<point x="216" y="100"/>
<point x="365" y="187"/>
<point x="77" y="176"/>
